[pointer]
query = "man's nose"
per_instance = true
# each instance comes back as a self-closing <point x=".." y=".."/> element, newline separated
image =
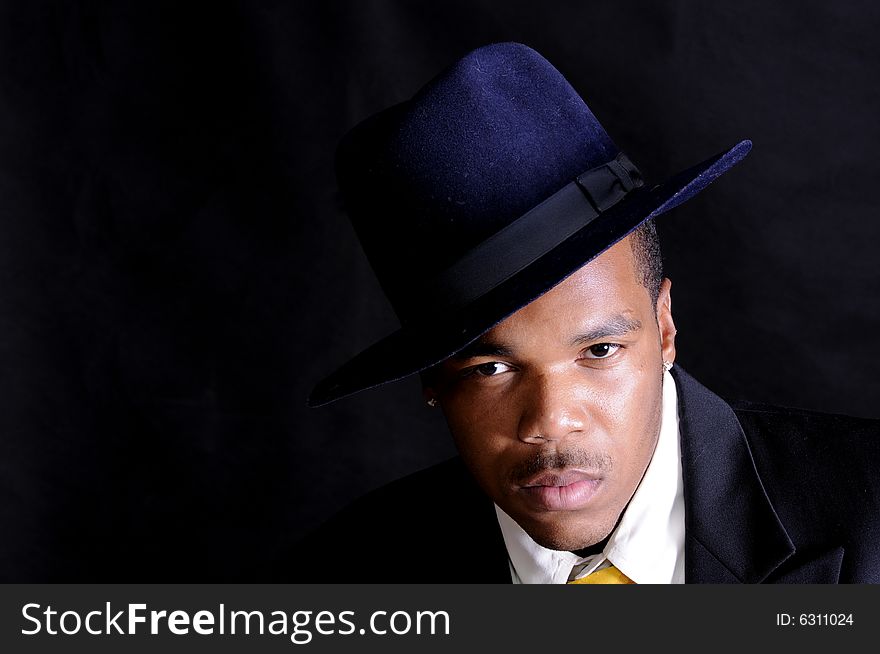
<point x="552" y="409"/>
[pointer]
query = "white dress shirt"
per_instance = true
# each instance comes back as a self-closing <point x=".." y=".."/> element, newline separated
<point x="648" y="543"/>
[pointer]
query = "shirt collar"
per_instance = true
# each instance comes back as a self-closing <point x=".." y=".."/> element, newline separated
<point x="648" y="543"/>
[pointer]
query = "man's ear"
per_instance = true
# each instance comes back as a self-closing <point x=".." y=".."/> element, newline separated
<point x="428" y="378"/>
<point x="664" y="321"/>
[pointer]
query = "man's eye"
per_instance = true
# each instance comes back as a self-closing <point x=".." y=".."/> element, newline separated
<point x="490" y="369"/>
<point x="601" y="350"/>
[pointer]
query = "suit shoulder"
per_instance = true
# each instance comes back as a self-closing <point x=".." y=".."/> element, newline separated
<point x="747" y="406"/>
<point x="780" y="424"/>
<point x="412" y="495"/>
<point x="412" y="523"/>
<point x="417" y="488"/>
<point x="822" y="473"/>
<point x="786" y="440"/>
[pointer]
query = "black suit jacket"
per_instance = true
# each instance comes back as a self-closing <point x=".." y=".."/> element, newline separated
<point x="771" y="495"/>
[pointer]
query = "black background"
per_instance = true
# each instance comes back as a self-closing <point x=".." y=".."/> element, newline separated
<point x="176" y="274"/>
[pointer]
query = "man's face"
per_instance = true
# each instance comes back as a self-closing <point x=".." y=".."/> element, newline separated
<point x="556" y="410"/>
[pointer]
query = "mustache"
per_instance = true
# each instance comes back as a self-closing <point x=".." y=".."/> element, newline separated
<point x="544" y="461"/>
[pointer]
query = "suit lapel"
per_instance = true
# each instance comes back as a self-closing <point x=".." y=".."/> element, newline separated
<point x="732" y="533"/>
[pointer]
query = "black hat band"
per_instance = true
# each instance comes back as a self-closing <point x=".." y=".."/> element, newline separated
<point x="528" y="238"/>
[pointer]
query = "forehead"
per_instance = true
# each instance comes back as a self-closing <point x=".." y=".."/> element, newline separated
<point x="607" y="286"/>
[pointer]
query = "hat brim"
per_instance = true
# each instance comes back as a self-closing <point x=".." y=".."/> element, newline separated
<point x="414" y="348"/>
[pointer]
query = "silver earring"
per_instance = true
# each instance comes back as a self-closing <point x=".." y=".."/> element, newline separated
<point x="432" y="402"/>
<point x="667" y="366"/>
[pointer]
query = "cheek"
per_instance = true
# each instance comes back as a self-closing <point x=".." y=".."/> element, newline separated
<point x="622" y="398"/>
<point x="625" y="405"/>
<point x="633" y="414"/>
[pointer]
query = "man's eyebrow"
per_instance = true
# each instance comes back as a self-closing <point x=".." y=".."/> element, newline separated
<point x="618" y="325"/>
<point x="483" y="349"/>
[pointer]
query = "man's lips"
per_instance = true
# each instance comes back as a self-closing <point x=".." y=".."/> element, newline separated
<point x="560" y="490"/>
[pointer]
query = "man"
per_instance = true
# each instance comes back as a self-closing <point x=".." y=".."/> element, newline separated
<point x="517" y="246"/>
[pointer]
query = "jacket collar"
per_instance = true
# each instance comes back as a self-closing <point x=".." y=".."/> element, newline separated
<point x="732" y="531"/>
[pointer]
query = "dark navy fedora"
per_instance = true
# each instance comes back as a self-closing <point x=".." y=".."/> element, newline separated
<point x="490" y="186"/>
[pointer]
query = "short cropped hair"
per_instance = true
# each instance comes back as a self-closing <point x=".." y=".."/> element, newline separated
<point x="649" y="261"/>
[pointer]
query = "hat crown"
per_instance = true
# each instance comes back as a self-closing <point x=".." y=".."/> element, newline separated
<point x="484" y="142"/>
<point x="490" y="186"/>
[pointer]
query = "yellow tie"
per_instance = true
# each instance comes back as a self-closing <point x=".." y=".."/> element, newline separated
<point x="609" y="575"/>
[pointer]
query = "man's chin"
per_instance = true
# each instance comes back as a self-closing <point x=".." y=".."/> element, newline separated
<point x="566" y="543"/>
<point x="568" y="535"/>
